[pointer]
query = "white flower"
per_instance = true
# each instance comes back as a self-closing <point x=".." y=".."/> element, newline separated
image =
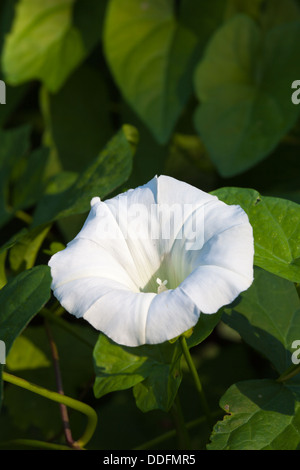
<point x="147" y="262"/>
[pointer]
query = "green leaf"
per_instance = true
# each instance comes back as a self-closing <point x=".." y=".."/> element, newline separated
<point x="13" y="240"/>
<point x="269" y="13"/>
<point x="116" y="367"/>
<point x="60" y="45"/>
<point x="276" y="12"/>
<point x="1" y="386"/>
<point x="159" y="389"/>
<point x="263" y="415"/>
<point x="203" y="18"/>
<point x="203" y="328"/>
<point x="276" y="229"/>
<point x="150" y="55"/>
<point x="14" y="145"/>
<point x="55" y="247"/>
<point x="80" y="127"/>
<point x="267" y="316"/>
<point x="153" y="371"/>
<point x="29" y="182"/>
<point x="149" y="158"/>
<point x="108" y="171"/>
<point x="21" y="299"/>
<point x="250" y="7"/>
<point x="24" y="252"/>
<point x="244" y="86"/>
<point x="14" y="95"/>
<point x="89" y="20"/>
<point x="3" y="278"/>
<point x="24" y="354"/>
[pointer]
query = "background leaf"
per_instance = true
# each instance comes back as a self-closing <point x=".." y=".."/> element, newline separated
<point x="21" y="299"/>
<point x="108" y="171"/>
<point x="267" y="316"/>
<point x="276" y="229"/>
<point x="14" y="145"/>
<point x="150" y="54"/>
<point x="203" y="328"/>
<point x="243" y="84"/>
<point x="28" y="183"/>
<point x="48" y="24"/>
<point x="26" y="355"/>
<point x="153" y="371"/>
<point x="24" y="252"/>
<point x="263" y="415"/>
<point x="79" y="118"/>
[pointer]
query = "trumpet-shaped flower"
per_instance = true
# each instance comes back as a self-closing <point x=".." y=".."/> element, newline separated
<point x="148" y="262"/>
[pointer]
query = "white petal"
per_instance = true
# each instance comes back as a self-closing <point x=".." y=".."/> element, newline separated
<point x="171" y="313"/>
<point x="226" y="240"/>
<point x="108" y="307"/>
<point x="121" y="315"/>
<point x="84" y="258"/>
<point x="211" y="287"/>
<point x="179" y="201"/>
<point x="224" y="266"/>
<point x="171" y="191"/>
<point x="123" y="226"/>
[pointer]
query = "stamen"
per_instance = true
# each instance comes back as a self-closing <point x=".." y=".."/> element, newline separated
<point x="161" y="286"/>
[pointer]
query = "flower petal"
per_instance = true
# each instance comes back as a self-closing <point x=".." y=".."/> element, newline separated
<point x="223" y="267"/>
<point x="124" y="226"/>
<point x="109" y="307"/>
<point x="82" y="259"/>
<point x="179" y="202"/>
<point x="170" y="314"/>
<point x="212" y="287"/>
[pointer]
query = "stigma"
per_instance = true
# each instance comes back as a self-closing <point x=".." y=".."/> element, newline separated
<point x="161" y="286"/>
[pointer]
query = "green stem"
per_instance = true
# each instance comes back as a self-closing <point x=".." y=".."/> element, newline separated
<point x="289" y="373"/>
<point x="182" y="433"/>
<point x="63" y="409"/>
<point x="34" y="443"/>
<point x="23" y="216"/>
<point x="195" y="376"/>
<point x="68" y="401"/>
<point x="171" y="434"/>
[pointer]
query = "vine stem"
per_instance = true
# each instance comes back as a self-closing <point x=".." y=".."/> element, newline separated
<point x="196" y="378"/>
<point x="181" y="430"/>
<point x="172" y="433"/>
<point x="68" y="401"/>
<point x="34" y="443"/>
<point x="24" y="217"/>
<point x="289" y="373"/>
<point x="63" y="409"/>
